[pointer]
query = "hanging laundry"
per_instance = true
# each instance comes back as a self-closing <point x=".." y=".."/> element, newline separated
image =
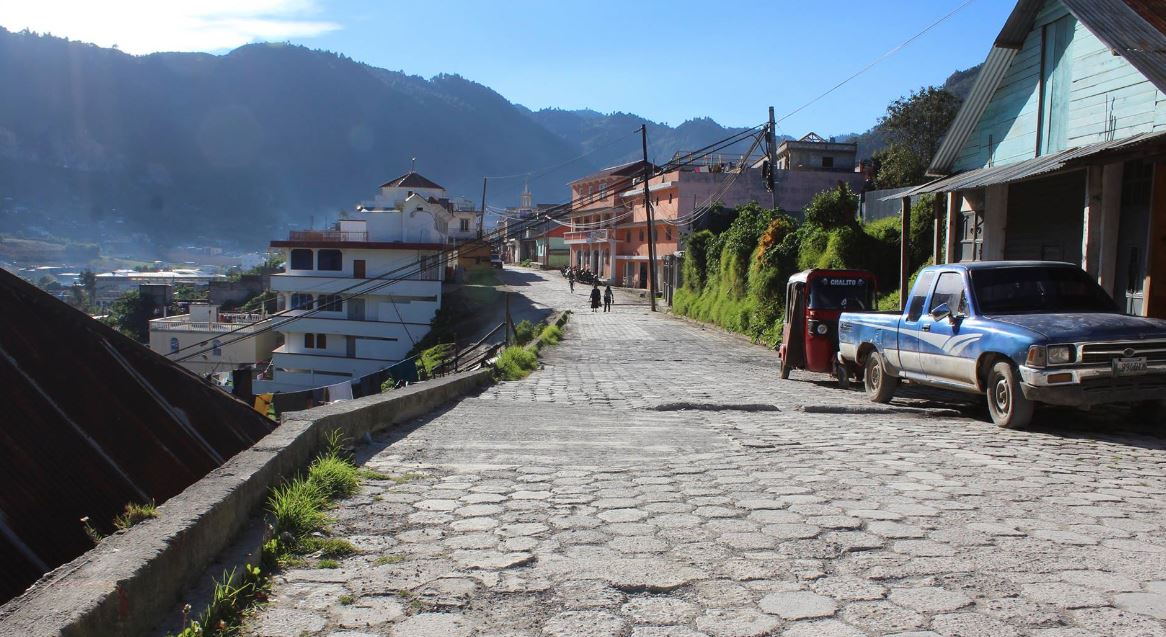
<point x="262" y="402"/>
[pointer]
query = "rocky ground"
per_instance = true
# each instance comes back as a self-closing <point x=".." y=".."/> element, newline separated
<point x="656" y="479"/>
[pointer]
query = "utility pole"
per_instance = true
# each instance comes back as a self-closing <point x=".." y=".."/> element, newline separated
<point x="482" y="216"/>
<point x="650" y="221"/>
<point x="771" y="151"/>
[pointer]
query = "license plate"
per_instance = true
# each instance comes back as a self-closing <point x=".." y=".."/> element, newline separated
<point x="1129" y="366"/>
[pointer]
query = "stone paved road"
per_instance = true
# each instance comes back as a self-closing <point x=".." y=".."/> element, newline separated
<point x="656" y="479"/>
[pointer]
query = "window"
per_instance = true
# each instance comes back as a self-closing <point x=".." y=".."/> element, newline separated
<point x="301" y="259"/>
<point x="301" y="302"/>
<point x="329" y="260"/>
<point x="280" y="302"/>
<point x="919" y="295"/>
<point x="315" y="341"/>
<point x="464" y="225"/>
<point x="330" y="302"/>
<point x="950" y="290"/>
<point x="216" y="347"/>
<point x="173" y="345"/>
<point x="827" y="162"/>
<point x="603" y="191"/>
<point x="669" y="197"/>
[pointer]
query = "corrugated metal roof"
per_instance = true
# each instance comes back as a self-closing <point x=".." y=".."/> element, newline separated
<point x="1029" y="168"/>
<point x="1134" y="29"/>
<point x="999" y="59"/>
<point x="92" y="421"/>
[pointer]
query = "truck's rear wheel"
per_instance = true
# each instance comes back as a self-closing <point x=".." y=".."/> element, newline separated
<point x="1006" y="402"/>
<point x="880" y="387"/>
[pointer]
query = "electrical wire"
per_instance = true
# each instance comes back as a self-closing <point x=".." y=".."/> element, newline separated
<point x="552" y="169"/>
<point x="879" y="59"/>
<point x="490" y="238"/>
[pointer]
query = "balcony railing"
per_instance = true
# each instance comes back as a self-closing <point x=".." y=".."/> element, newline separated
<point x="586" y="236"/>
<point x="226" y="323"/>
<point x="326" y="235"/>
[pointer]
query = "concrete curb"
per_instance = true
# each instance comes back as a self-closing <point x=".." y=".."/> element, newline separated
<point x="127" y="584"/>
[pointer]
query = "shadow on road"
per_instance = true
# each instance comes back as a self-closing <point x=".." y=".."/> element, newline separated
<point x="1109" y="423"/>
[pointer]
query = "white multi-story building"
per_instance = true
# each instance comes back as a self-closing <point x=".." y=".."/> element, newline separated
<point x="358" y="324"/>
<point x="212" y="339"/>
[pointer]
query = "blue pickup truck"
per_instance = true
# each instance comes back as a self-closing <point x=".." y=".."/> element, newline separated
<point x="1019" y="332"/>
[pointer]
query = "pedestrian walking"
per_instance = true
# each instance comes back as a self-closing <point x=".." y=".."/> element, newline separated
<point x="608" y="298"/>
<point x="571" y="280"/>
<point x="595" y="297"/>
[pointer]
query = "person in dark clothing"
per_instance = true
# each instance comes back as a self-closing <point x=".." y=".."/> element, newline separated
<point x="608" y="298"/>
<point x="571" y="280"/>
<point x="594" y="297"/>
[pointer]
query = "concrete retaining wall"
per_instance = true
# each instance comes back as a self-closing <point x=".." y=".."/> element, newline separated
<point x="126" y="584"/>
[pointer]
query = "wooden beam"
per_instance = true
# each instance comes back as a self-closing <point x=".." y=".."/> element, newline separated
<point x="953" y="217"/>
<point x="904" y="251"/>
<point x="1155" y="286"/>
<point x="938" y="230"/>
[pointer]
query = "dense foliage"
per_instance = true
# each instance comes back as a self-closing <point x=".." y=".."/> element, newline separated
<point x="737" y="279"/>
<point x="913" y="127"/>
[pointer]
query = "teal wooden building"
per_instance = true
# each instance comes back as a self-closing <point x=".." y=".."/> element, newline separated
<point x="1059" y="151"/>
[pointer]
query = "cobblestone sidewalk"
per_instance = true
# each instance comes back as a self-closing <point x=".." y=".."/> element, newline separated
<point x="656" y="479"/>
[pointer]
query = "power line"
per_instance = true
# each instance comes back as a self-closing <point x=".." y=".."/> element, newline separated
<point x="879" y="59"/>
<point x="569" y="161"/>
<point x="493" y="237"/>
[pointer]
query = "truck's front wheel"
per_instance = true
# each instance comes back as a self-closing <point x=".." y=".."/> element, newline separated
<point x="1006" y="402"/>
<point x="880" y="387"/>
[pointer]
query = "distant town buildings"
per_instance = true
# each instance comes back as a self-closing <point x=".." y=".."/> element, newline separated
<point x="355" y="321"/>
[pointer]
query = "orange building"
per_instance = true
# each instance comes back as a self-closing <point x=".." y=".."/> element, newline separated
<point x="609" y="235"/>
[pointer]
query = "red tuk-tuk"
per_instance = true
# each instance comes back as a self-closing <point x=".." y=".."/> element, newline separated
<point x="814" y="299"/>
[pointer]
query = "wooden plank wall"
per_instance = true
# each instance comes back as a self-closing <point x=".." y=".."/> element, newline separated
<point x="1109" y="99"/>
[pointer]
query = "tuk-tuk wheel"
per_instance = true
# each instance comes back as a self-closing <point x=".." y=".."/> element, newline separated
<point x="785" y="368"/>
<point x="843" y="375"/>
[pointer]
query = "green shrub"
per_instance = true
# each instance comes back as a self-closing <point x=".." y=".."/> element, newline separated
<point x="551" y="335"/>
<point x="696" y="254"/>
<point x="432" y="358"/>
<point x="833" y="208"/>
<point x="524" y="332"/>
<point x="515" y="363"/>
<point x="334" y="476"/>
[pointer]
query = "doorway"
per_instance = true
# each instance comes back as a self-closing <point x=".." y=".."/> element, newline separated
<point x="1133" y="237"/>
<point x="643" y="276"/>
<point x="358" y="269"/>
<point x="356" y="309"/>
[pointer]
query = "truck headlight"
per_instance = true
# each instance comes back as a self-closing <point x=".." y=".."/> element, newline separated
<point x="1037" y="356"/>
<point x="1060" y="354"/>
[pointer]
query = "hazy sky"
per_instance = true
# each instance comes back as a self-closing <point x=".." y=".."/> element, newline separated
<point x="666" y="60"/>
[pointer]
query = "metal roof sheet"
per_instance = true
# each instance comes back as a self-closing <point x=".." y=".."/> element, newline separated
<point x="92" y="421"/>
<point x="1029" y="168"/>
<point x="1133" y="29"/>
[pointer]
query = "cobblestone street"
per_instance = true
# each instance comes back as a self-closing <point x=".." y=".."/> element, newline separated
<point x="657" y="479"/>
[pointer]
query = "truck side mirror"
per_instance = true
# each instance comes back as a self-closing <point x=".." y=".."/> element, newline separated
<point x="941" y="312"/>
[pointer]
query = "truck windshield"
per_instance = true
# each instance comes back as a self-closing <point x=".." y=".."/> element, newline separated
<point x="1038" y="289"/>
<point x="840" y="293"/>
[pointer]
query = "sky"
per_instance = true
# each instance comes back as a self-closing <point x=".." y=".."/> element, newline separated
<point x="669" y="61"/>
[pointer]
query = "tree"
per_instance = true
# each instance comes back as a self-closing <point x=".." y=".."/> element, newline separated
<point x="898" y="167"/>
<point x="914" y="127"/>
<point x="89" y="281"/>
<point x="130" y="314"/>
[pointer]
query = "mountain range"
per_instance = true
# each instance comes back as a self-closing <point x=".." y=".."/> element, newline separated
<point x="200" y="148"/>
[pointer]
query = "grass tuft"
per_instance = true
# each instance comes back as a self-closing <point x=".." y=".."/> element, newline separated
<point x="515" y="363"/>
<point x="298" y="507"/>
<point x="551" y="335"/>
<point x="135" y="513"/>
<point x="408" y="477"/>
<point x="372" y="474"/>
<point x="328" y="563"/>
<point x="334" y="476"/>
<point x="329" y="547"/>
<point x="395" y="558"/>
